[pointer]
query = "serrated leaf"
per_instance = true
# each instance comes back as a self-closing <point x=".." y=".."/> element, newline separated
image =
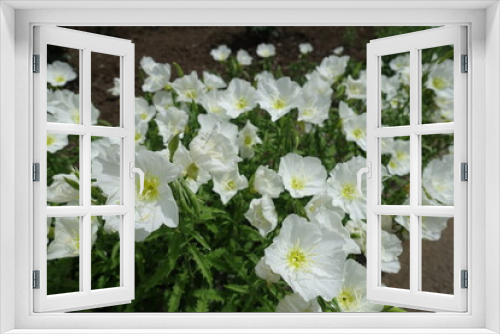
<point x="202" y="265"/>
<point x="238" y="288"/>
<point x="175" y="298"/>
<point x="201" y="305"/>
<point x="201" y="240"/>
<point x="208" y="294"/>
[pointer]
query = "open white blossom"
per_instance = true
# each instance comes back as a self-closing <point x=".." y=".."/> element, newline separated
<point x="56" y="142"/>
<point x="313" y="108"/>
<point x="59" y="73"/>
<point x="221" y="53"/>
<point x="60" y="191"/>
<point x="357" y="230"/>
<point x="437" y="179"/>
<point x="247" y="139"/>
<point x="308" y="257"/>
<point x="105" y="163"/>
<point x="338" y="50"/>
<point x="227" y="184"/>
<point x="262" y="270"/>
<point x="263" y="76"/>
<point x="346" y="112"/>
<point x="400" y="157"/>
<point x="159" y="78"/>
<point x="268" y="182"/>
<point x="115" y="90"/>
<point x="355" y="130"/>
<point x="319" y="202"/>
<point x="189" y="88"/>
<point x="63" y="106"/>
<point x="305" y="48"/>
<point x="194" y="175"/>
<point x="401" y="65"/>
<point x="171" y="122"/>
<point x="316" y="85"/>
<point x="238" y="98"/>
<point x="431" y="227"/>
<point x="352" y="297"/>
<point x="147" y="64"/>
<point x="391" y="248"/>
<point x="440" y="78"/>
<point x="262" y="215"/>
<point x="212" y="81"/>
<point x="295" y="303"/>
<point x="141" y="128"/>
<point x="332" y="220"/>
<point x="266" y="50"/>
<point x="342" y="187"/>
<point x="302" y="176"/>
<point x="210" y="122"/>
<point x="66" y="241"/>
<point x="356" y="88"/>
<point x="278" y="97"/>
<point x="243" y="58"/>
<point x="163" y="100"/>
<point x="143" y="110"/>
<point x="211" y="102"/>
<point x="332" y="67"/>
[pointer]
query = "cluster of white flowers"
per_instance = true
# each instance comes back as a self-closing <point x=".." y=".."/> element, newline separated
<point x="310" y="255"/>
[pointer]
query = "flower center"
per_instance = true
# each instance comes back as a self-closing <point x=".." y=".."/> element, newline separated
<point x="393" y="164"/>
<point x="278" y="104"/>
<point x="75" y="116"/>
<point x="357" y="133"/>
<point x="50" y="140"/>
<point x="439" y="83"/>
<point x="151" y="191"/>
<point x="241" y="103"/>
<point x="401" y="155"/>
<point x="230" y="185"/>
<point x="349" y="192"/>
<point x="59" y="78"/>
<point x="298" y="183"/>
<point x="347" y="299"/>
<point x="192" y="171"/>
<point x="191" y="94"/>
<point x="248" y="141"/>
<point x="144" y="115"/>
<point x="308" y="112"/>
<point x="138" y="136"/>
<point x="296" y="258"/>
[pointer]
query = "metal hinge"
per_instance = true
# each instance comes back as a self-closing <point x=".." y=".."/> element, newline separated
<point x="465" y="279"/>
<point x="464" y="172"/>
<point x="36" y="279"/>
<point x="36" y="63"/>
<point x="465" y="64"/>
<point x="36" y="172"/>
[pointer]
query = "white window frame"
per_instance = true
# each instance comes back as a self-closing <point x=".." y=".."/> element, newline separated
<point x="484" y="103"/>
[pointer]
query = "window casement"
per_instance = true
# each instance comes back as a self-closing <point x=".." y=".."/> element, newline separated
<point x="79" y="215"/>
<point x="419" y="211"/>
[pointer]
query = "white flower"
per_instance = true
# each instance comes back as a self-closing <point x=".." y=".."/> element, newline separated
<point x="212" y="81"/>
<point x="440" y="78"/>
<point x="305" y="48"/>
<point x="401" y="65"/>
<point x="66" y="241"/>
<point x="63" y="106"/>
<point x="147" y="64"/>
<point x="243" y="58"/>
<point x="211" y="101"/>
<point x="212" y="152"/>
<point x="356" y="88"/>
<point x="268" y="182"/>
<point x="444" y="101"/>
<point x="159" y="78"/>
<point x="172" y="122"/>
<point x="262" y="270"/>
<point x="338" y="50"/>
<point x="115" y="90"/>
<point x="195" y="176"/>
<point x="295" y="303"/>
<point x="313" y="108"/>
<point x="238" y="98"/>
<point x="357" y="229"/>
<point x="390" y="86"/>
<point x="342" y="187"/>
<point x="262" y="215"/>
<point x="332" y="67"/>
<point x="263" y="76"/>
<point x="56" y="142"/>
<point x="189" y="88"/>
<point x="266" y="50"/>
<point x="247" y="139"/>
<point x="227" y="184"/>
<point x="278" y="97"/>
<point x="391" y="249"/>
<point x="346" y="112"/>
<point x="105" y="165"/>
<point x="437" y="179"/>
<point x="308" y="257"/>
<point x="400" y="157"/>
<point x="143" y="110"/>
<point x="431" y="227"/>
<point x="210" y="122"/>
<point x="322" y="201"/>
<point x="141" y="128"/>
<point x="60" y="191"/>
<point x="302" y="176"/>
<point x="163" y="100"/>
<point x="221" y="53"/>
<point x="59" y="73"/>
<point x="316" y="85"/>
<point x="352" y="297"/>
<point x="332" y="220"/>
<point x="355" y="130"/>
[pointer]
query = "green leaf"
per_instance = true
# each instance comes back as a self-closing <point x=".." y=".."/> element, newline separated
<point x="201" y="240"/>
<point x="202" y="265"/>
<point x="388" y="308"/>
<point x="238" y="288"/>
<point x="175" y="298"/>
<point x="201" y="305"/>
<point x="72" y="183"/>
<point x="179" y="70"/>
<point x="173" y="144"/>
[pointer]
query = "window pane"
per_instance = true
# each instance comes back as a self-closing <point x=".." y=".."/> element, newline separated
<point x="63" y="255"/>
<point x="437" y="169"/>
<point x="106" y="251"/>
<point x="437" y="84"/>
<point x="395" y="170"/>
<point x="395" y="251"/>
<point x="106" y="177"/>
<point x="437" y="254"/>
<point x="395" y="89"/>
<point x="105" y="89"/>
<point x="63" y="165"/>
<point x="63" y="85"/>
